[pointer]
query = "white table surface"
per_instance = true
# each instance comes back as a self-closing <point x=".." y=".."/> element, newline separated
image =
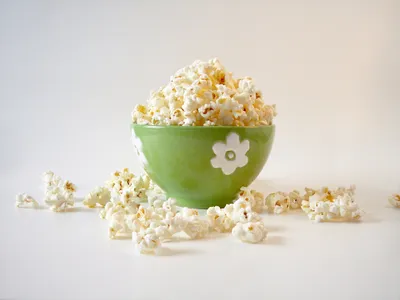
<point x="45" y="255"/>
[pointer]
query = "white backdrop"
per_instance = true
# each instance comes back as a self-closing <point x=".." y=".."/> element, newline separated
<point x="71" y="72"/>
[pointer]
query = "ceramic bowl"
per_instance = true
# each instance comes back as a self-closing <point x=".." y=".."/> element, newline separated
<point x="202" y="166"/>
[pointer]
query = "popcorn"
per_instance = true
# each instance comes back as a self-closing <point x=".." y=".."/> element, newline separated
<point x="59" y="194"/>
<point x="219" y="219"/>
<point x="120" y="180"/>
<point x="278" y="202"/>
<point x="336" y="205"/>
<point x="22" y="200"/>
<point x="196" y="227"/>
<point x="155" y="193"/>
<point x="295" y="199"/>
<point x="61" y="202"/>
<point x="395" y="200"/>
<point x="117" y="225"/>
<point x="99" y="195"/>
<point x="146" y="242"/>
<point x="205" y="94"/>
<point x="251" y="232"/>
<point x="254" y="198"/>
<point x="175" y="223"/>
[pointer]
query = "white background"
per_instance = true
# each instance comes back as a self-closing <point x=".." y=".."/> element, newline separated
<point x="70" y="74"/>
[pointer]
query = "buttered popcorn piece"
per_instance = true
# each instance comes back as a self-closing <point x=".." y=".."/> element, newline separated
<point x="99" y="195"/>
<point x="205" y="94"/>
<point x="24" y="200"/>
<point x="395" y="200"/>
<point x="251" y="232"/>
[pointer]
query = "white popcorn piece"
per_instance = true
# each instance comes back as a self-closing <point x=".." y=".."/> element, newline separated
<point x="277" y="203"/>
<point x="61" y="202"/>
<point x="117" y="225"/>
<point x="155" y="193"/>
<point x="99" y="195"/>
<point x="259" y="201"/>
<point x="295" y="199"/>
<point x="196" y="227"/>
<point x="245" y="215"/>
<point x="161" y="230"/>
<point x="395" y="200"/>
<point x="254" y="198"/>
<point x="59" y="193"/>
<point x="175" y="223"/>
<point x="169" y="206"/>
<point x="219" y="220"/>
<point x="120" y="180"/>
<point x="146" y="242"/>
<point x="251" y="232"/>
<point x="189" y="212"/>
<point x="24" y="200"/>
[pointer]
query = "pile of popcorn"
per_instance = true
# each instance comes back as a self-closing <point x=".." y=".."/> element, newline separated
<point x="205" y="94"/>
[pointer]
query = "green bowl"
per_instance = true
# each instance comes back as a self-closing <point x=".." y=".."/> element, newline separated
<point x="202" y="166"/>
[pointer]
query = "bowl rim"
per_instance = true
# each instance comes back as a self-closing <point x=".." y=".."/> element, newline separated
<point x="200" y="127"/>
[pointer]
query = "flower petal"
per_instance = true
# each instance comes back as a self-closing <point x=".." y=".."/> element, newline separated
<point x="243" y="147"/>
<point x="217" y="162"/>
<point x="233" y="141"/>
<point x="241" y="160"/>
<point x="229" y="167"/>
<point x="219" y="149"/>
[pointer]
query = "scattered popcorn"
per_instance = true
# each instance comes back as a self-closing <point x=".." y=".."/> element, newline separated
<point x="278" y="202"/>
<point x="22" y="200"/>
<point x="395" y="200"/>
<point x="146" y="242"/>
<point x="251" y="232"/>
<point x="205" y="94"/>
<point x="99" y="195"/>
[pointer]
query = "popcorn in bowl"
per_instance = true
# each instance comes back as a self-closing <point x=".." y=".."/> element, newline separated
<point x="205" y="94"/>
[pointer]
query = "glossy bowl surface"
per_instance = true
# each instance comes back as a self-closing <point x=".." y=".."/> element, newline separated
<point x="203" y="166"/>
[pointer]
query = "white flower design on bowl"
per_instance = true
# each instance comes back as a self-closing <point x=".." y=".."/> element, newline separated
<point x="139" y="148"/>
<point x="230" y="155"/>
